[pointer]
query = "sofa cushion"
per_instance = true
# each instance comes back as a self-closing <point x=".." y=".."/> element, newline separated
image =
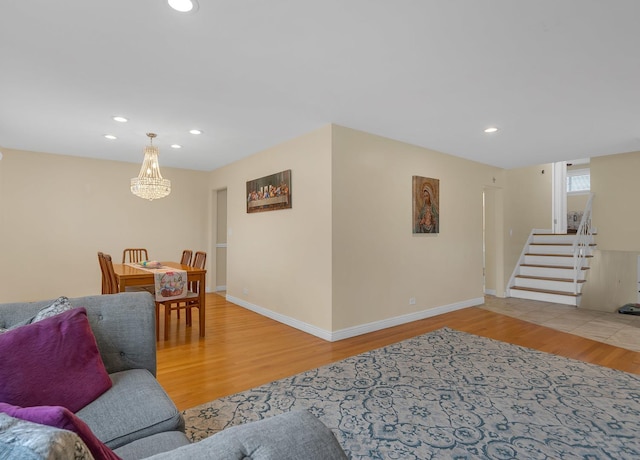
<point x="53" y="362"/>
<point x="154" y="444"/>
<point x="63" y="418"/>
<point x="20" y="439"/>
<point x="136" y="406"/>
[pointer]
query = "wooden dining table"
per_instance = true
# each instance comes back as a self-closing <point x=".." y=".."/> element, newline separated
<point x="132" y="276"/>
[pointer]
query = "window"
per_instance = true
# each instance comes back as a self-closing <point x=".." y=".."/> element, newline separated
<point x="578" y="181"/>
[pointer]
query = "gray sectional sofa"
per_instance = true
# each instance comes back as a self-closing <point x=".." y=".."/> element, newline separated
<point x="136" y="418"/>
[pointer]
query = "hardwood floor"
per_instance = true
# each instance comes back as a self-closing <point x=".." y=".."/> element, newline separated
<point x="242" y="349"/>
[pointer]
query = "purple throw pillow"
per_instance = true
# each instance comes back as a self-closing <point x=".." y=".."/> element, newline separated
<point x="54" y="362"/>
<point x="63" y="418"/>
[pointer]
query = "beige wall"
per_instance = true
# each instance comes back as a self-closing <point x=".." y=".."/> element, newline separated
<point x="345" y="254"/>
<point x="616" y="206"/>
<point x="281" y="260"/>
<point x="57" y="212"/>
<point x="378" y="263"/>
<point x="494" y="239"/>
<point x="577" y="202"/>
<point x="612" y="279"/>
<point x="527" y="205"/>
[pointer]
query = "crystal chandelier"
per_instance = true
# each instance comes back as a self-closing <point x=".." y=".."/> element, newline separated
<point x="149" y="184"/>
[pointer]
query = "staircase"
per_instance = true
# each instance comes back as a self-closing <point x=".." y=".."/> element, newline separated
<point x="553" y="267"/>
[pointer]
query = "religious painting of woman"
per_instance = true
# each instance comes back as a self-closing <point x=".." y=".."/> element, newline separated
<point x="426" y="205"/>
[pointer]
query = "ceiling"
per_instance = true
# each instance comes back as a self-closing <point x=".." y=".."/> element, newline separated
<point x="560" y="79"/>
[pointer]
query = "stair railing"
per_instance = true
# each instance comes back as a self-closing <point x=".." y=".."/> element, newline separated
<point x="516" y="270"/>
<point x="582" y="242"/>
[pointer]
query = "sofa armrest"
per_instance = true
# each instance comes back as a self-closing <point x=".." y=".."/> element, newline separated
<point x="292" y="435"/>
<point x="124" y="326"/>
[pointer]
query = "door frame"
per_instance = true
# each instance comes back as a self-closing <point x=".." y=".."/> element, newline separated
<point x="559" y="197"/>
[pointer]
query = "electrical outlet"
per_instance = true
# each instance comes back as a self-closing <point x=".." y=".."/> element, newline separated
<point x="412" y="301"/>
<point x="245" y="290"/>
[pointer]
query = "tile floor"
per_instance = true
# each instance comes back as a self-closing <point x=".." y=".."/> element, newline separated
<point x="613" y="328"/>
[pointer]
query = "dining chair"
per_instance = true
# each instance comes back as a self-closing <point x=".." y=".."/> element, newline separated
<point x="134" y="255"/>
<point x="200" y="259"/>
<point x="110" y="285"/>
<point x="106" y="282"/>
<point x="191" y="301"/>
<point x="109" y="280"/>
<point x="186" y="257"/>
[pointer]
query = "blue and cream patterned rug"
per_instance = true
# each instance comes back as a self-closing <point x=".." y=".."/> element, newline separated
<point x="448" y="394"/>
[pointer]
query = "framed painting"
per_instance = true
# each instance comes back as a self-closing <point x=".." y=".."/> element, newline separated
<point x="426" y="205"/>
<point x="269" y="193"/>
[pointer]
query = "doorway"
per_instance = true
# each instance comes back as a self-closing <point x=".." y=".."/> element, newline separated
<point x="493" y="242"/>
<point x="559" y="198"/>
<point x="221" y="240"/>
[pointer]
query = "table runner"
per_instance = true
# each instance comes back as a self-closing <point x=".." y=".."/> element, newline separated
<point x="170" y="283"/>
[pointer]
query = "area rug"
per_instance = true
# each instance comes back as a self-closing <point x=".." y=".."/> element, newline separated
<point x="448" y="394"/>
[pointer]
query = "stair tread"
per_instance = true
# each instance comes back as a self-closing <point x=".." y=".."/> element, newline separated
<point x="564" y="267"/>
<point x="548" y="278"/>
<point x="545" y="291"/>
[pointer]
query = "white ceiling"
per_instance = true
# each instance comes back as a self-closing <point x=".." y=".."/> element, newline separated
<point x="561" y="79"/>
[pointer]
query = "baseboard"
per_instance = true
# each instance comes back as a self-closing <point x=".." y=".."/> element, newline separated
<point x="403" y="319"/>
<point x="490" y="292"/>
<point x="300" y="325"/>
<point x="334" y="336"/>
<point x="220" y="288"/>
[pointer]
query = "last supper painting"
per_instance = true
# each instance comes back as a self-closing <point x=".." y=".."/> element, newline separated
<point x="269" y="193"/>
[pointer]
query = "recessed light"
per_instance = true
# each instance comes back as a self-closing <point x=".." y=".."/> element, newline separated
<point x="492" y="129"/>
<point x="195" y="131"/>
<point x="176" y="146"/>
<point x="110" y="136"/>
<point x="183" y="6"/>
<point x="120" y="119"/>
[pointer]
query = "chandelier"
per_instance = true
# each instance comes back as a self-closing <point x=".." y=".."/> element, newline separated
<point x="149" y="184"/>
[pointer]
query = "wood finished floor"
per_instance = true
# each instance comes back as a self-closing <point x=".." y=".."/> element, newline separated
<point x="242" y="349"/>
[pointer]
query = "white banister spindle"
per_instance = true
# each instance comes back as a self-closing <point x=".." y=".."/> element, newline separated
<point x="582" y="242"/>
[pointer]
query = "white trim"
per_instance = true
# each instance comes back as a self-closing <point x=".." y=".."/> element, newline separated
<point x="579" y="172"/>
<point x="310" y="329"/>
<point x="220" y="288"/>
<point x="559" y="197"/>
<point x="356" y="330"/>
<point x="490" y="292"/>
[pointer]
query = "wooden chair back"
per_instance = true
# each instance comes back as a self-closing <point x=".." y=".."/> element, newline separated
<point x="103" y="270"/>
<point x="134" y="255"/>
<point x="186" y="257"/>
<point x="109" y="280"/>
<point x="200" y="259"/>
